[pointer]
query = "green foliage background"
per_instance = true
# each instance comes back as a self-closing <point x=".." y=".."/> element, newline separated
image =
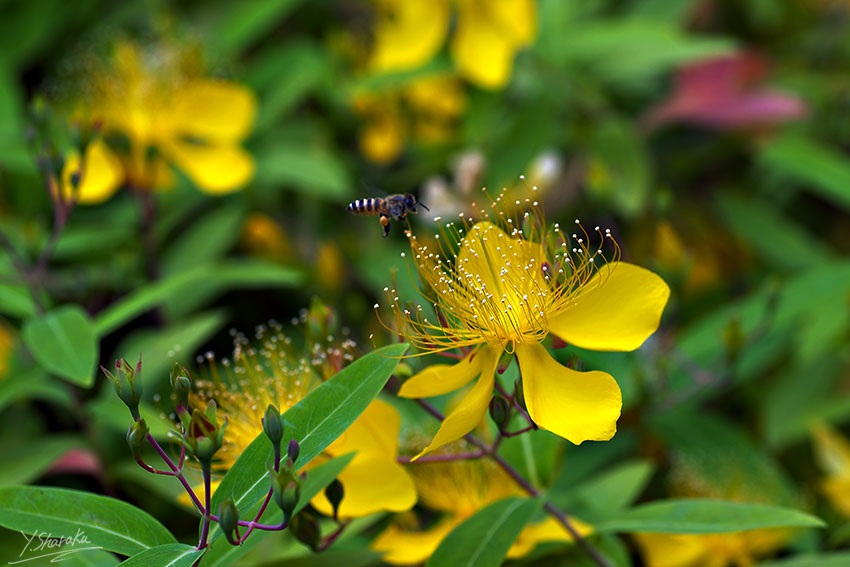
<point x="754" y="347"/>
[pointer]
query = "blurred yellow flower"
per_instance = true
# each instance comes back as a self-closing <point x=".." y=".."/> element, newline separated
<point x="511" y="283"/>
<point x="255" y="378"/>
<point x="425" y="108"/>
<point x="832" y="452"/>
<point x="155" y="108"/>
<point x="265" y="238"/>
<point x="457" y="490"/>
<point x="484" y="43"/>
<point x="738" y="549"/>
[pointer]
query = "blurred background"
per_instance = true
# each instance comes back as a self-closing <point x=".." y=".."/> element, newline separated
<point x="171" y="171"/>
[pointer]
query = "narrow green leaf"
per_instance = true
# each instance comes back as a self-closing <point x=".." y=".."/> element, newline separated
<point x="221" y="275"/>
<point x="699" y="516"/>
<point x="819" y="168"/>
<point x="106" y="522"/>
<point x="90" y="558"/>
<point x="484" y="539"/>
<point x="315" y="422"/>
<point x="63" y="341"/>
<point x="167" y="555"/>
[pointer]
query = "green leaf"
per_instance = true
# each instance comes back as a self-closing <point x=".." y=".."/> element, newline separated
<point x="32" y="383"/>
<point x="32" y="456"/>
<point x="819" y="168"/>
<point x="703" y="516"/>
<point x="316" y="421"/>
<point x="205" y="239"/>
<point x="773" y="236"/>
<point x="318" y="478"/>
<point x="484" y="539"/>
<point x="106" y="522"/>
<point x="612" y="490"/>
<point x="90" y="558"/>
<point x="349" y="558"/>
<point x="310" y="169"/>
<point x="167" y="555"/>
<point x="63" y="341"/>
<point x="837" y="559"/>
<point x="221" y="275"/>
<point x="238" y="26"/>
<point x="619" y="167"/>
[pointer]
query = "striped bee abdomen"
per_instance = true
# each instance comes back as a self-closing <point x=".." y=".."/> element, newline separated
<point x="369" y="206"/>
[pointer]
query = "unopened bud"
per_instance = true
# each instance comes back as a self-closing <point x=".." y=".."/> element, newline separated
<point x="335" y="492"/>
<point x="305" y="528"/>
<point x="228" y="519"/>
<point x="287" y="491"/>
<point x="293" y="450"/>
<point x="137" y="435"/>
<point x="500" y="411"/>
<point x="181" y="384"/>
<point x="504" y="361"/>
<point x="272" y="425"/>
<point x="519" y="395"/>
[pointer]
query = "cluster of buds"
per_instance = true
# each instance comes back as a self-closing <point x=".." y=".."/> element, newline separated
<point x="128" y="384"/>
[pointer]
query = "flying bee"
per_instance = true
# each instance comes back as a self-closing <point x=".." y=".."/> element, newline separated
<point x="393" y="206"/>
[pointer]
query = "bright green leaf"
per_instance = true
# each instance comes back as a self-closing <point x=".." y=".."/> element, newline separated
<point x="112" y="524"/>
<point x="484" y="539"/>
<point x="63" y="341"/>
<point x="167" y="555"/>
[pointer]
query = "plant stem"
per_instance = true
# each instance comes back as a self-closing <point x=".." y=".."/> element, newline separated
<point x="528" y="488"/>
<point x="206" y="468"/>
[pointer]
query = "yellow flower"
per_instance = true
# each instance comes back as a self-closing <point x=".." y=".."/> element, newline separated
<point x="161" y="110"/>
<point x="740" y="549"/>
<point x="832" y="451"/>
<point x="457" y="490"/>
<point x="427" y="107"/>
<point x="486" y="38"/>
<point x="255" y="378"/>
<point x="507" y="291"/>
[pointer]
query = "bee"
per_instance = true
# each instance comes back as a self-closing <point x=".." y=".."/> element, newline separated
<point x="393" y="206"/>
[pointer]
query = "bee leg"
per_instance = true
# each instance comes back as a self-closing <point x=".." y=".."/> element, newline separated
<point x="385" y="222"/>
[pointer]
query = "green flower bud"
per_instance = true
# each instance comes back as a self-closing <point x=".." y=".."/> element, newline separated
<point x="228" y="518"/>
<point x="305" y="528"/>
<point x="500" y="411"/>
<point x="335" y="492"/>
<point x="272" y="425"/>
<point x="137" y="436"/>
<point x="287" y="491"/>
<point x="204" y="437"/>
<point x="181" y="384"/>
<point x="127" y="382"/>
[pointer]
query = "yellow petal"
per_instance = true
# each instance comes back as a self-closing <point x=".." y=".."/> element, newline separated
<point x="214" y="111"/>
<point x="382" y="138"/>
<point x="488" y="36"/>
<point x="185" y="500"/>
<point x="214" y="169"/>
<point x="100" y="176"/>
<point x="471" y="409"/>
<point x="616" y="310"/>
<point x="672" y="550"/>
<point x="543" y="531"/>
<point x="403" y="547"/>
<point x="578" y="406"/>
<point x="441" y="379"/>
<point x="375" y="432"/>
<point x="372" y="484"/>
<point x="408" y="34"/>
<point x="837" y="491"/>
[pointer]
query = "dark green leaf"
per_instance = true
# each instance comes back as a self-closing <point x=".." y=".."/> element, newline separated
<point x="63" y="341"/>
<point x="820" y="169"/>
<point x="699" y="516"/>
<point x="106" y="522"/>
<point x="221" y="275"/>
<point x="32" y="456"/>
<point x="90" y="558"/>
<point x="484" y="539"/>
<point x="315" y="422"/>
<point x="239" y="25"/>
<point x="837" y="559"/>
<point x="167" y="555"/>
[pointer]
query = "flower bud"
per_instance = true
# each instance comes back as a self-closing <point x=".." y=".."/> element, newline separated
<point x="228" y="519"/>
<point x="137" y="435"/>
<point x="204" y="437"/>
<point x="504" y="361"/>
<point x="519" y="395"/>
<point x="305" y="528"/>
<point x="272" y="425"/>
<point x="500" y="411"/>
<point x="335" y="492"/>
<point x="287" y="491"/>
<point x="127" y="382"/>
<point x="293" y="450"/>
<point x="181" y="384"/>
